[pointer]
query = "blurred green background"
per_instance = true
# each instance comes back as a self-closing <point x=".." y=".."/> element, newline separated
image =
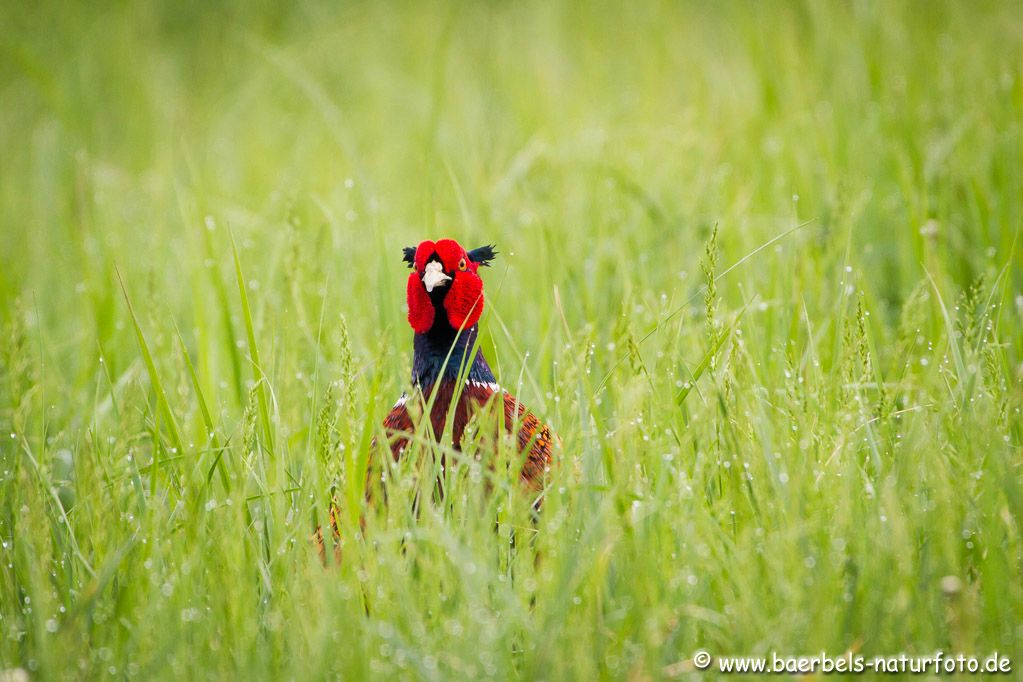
<point x="853" y="437"/>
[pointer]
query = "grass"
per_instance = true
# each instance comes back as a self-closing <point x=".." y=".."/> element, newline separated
<point x="775" y="439"/>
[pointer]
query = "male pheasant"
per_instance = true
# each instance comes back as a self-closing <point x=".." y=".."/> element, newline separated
<point x="445" y="300"/>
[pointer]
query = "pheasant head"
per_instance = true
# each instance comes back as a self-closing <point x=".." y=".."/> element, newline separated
<point x="444" y="291"/>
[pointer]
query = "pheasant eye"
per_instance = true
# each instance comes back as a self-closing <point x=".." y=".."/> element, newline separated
<point x="461" y="264"/>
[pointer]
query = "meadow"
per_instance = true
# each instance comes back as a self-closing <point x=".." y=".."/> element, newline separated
<point x="758" y="268"/>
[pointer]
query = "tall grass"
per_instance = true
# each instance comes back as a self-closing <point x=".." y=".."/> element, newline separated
<point x="775" y="439"/>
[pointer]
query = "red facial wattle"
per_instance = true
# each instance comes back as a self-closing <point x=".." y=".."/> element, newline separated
<point x="464" y="302"/>
<point x="420" y="307"/>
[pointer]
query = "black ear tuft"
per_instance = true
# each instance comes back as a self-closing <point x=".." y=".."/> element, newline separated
<point x="483" y="255"/>
<point x="410" y="256"/>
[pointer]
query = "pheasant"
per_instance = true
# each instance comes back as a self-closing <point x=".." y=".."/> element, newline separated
<point x="445" y="300"/>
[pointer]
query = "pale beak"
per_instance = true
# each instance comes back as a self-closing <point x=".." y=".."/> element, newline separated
<point x="434" y="275"/>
